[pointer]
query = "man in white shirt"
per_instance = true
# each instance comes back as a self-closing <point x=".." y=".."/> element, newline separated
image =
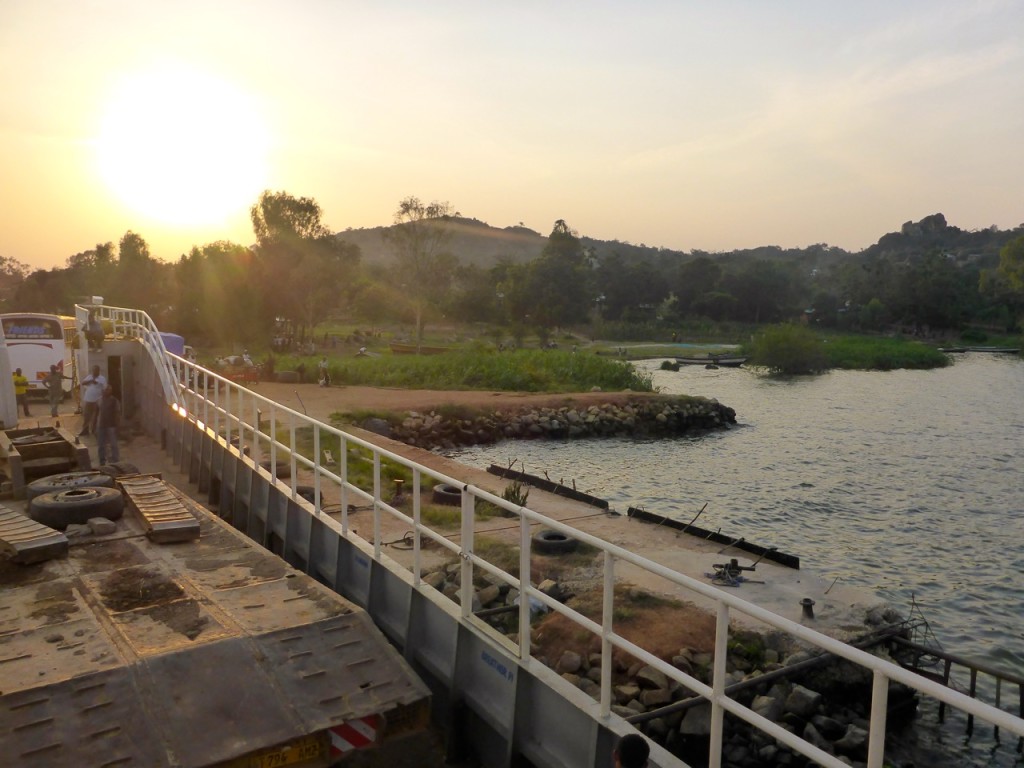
<point x="92" y="392"/>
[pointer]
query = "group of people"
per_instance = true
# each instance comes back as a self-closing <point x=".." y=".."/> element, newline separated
<point x="101" y="410"/>
<point x="53" y="381"/>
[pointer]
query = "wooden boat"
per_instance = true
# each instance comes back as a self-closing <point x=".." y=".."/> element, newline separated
<point x="403" y="348"/>
<point x="999" y="350"/>
<point x="725" y="361"/>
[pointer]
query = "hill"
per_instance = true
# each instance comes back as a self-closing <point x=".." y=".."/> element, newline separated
<point x="475" y="242"/>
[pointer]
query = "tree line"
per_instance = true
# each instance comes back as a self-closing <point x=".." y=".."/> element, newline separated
<point x="300" y="273"/>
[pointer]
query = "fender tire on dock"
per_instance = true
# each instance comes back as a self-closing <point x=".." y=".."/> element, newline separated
<point x="77" y="505"/>
<point x="448" y="495"/>
<point x="284" y="468"/>
<point x="67" y="481"/>
<point x="549" y="542"/>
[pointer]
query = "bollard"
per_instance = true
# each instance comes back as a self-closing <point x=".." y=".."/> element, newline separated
<point x="808" y="606"/>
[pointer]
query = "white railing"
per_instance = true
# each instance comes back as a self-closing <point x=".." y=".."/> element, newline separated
<point x="132" y="324"/>
<point x="253" y="422"/>
<point x="256" y="424"/>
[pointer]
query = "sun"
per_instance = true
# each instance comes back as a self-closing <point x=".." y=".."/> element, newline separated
<point x="182" y="147"/>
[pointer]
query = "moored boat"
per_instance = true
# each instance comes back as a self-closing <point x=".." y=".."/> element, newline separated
<point x="726" y="361"/>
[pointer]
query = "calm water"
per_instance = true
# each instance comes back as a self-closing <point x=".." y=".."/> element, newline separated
<point x="906" y="482"/>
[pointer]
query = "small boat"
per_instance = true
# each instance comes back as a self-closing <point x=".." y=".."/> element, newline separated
<point x="403" y="348"/>
<point x="722" y="361"/>
<point x="950" y="350"/>
<point x="999" y="350"/>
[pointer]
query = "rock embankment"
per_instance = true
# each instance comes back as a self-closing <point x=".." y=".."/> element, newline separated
<point x="660" y="416"/>
<point x="815" y="696"/>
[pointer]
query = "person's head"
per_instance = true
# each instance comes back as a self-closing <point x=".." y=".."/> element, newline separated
<point x="53" y="369"/>
<point x="108" y="391"/>
<point x="17" y="371"/>
<point x="632" y="751"/>
<point x="95" y="370"/>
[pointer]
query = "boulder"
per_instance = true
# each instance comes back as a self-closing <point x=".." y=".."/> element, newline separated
<point x="803" y="702"/>
<point x="570" y="662"/>
<point x="655" y="698"/>
<point x="853" y="743"/>
<point x="697" y="722"/>
<point x="648" y="677"/>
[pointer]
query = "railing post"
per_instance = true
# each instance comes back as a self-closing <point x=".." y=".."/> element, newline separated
<point x="376" y="505"/>
<point x="466" y="582"/>
<point x="879" y="708"/>
<point x="417" y="553"/>
<point x="316" y="469"/>
<point x="718" y="686"/>
<point x="343" y="474"/>
<point x="524" y="586"/>
<point x="607" y="628"/>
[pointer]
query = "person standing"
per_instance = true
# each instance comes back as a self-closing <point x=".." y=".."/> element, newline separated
<point x="325" y="374"/>
<point x="92" y="392"/>
<point x="107" y="421"/>
<point x="21" y="390"/>
<point x="54" y="382"/>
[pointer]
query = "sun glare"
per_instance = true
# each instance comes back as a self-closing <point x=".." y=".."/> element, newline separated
<point x="182" y="147"/>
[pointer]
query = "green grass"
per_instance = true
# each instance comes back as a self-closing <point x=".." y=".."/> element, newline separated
<point x="480" y="368"/>
<point x="881" y="354"/>
<point x="793" y="348"/>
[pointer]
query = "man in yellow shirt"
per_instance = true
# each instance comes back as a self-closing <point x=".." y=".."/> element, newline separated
<point x="21" y="390"/>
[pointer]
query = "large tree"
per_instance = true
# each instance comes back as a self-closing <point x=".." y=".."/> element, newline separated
<point x="304" y="268"/>
<point x="559" y="286"/>
<point x="419" y="242"/>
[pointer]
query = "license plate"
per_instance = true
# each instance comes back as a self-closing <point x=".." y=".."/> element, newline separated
<point x="299" y="751"/>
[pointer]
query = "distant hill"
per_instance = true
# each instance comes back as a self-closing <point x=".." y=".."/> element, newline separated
<point x="473" y="242"/>
<point x="477" y="243"/>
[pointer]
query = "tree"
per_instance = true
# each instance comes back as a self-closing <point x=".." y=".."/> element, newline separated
<point x="789" y="349"/>
<point x="303" y="267"/>
<point x="559" y="281"/>
<point x="1006" y="282"/>
<point x="419" y="240"/>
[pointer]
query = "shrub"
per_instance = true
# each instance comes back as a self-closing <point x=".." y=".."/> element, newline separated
<point x="789" y="349"/>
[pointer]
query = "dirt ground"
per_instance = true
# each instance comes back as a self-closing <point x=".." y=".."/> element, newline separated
<point x="321" y="402"/>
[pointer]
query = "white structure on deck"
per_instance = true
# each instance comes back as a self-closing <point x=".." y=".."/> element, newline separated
<point x="510" y="705"/>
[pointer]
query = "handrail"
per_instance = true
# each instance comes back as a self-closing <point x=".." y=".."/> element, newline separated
<point x="134" y="324"/>
<point x="250" y="421"/>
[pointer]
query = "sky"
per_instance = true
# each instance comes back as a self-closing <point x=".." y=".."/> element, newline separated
<point x="685" y="125"/>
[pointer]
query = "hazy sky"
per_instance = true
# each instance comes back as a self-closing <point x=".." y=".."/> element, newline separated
<point x="680" y="124"/>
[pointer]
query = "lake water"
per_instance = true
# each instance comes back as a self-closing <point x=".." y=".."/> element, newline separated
<point x="902" y="482"/>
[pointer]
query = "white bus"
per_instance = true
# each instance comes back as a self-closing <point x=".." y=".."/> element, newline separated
<point x="35" y="341"/>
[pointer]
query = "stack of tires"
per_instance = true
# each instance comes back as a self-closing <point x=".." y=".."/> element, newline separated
<point x="73" y="498"/>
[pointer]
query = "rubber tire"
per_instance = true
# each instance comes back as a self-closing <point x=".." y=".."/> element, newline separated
<point x="549" y="542"/>
<point x="308" y="492"/>
<point x="65" y="482"/>
<point x="77" y="505"/>
<point x="284" y="468"/>
<point x="446" y="495"/>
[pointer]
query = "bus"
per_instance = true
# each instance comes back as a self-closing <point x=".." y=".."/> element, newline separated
<point x="35" y="341"/>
